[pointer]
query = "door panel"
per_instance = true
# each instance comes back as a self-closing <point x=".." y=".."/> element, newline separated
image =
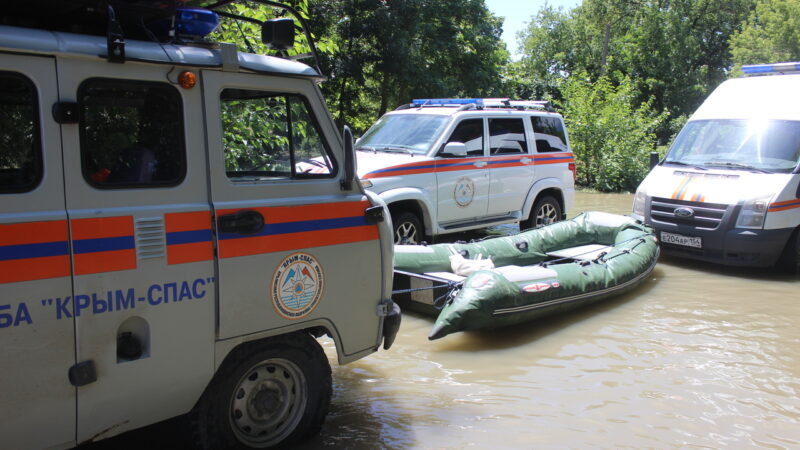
<point x="510" y="165"/>
<point x="36" y="327"/>
<point x="463" y="183"/>
<point x="141" y="238"/>
<point x="292" y="246"/>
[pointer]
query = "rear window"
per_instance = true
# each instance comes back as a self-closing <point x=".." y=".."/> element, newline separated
<point x="550" y="136"/>
<point x="20" y="146"/>
<point x="131" y="134"/>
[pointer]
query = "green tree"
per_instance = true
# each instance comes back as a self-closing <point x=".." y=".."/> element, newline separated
<point x="771" y="34"/>
<point x="610" y="133"/>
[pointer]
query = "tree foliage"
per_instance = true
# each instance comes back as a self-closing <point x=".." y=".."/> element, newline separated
<point x="771" y="34"/>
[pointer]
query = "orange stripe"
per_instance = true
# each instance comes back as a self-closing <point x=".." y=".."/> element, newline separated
<point x="34" y="269"/>
<point x="317" y="211"/>
<point x="683" y="181"/>
<point x="188" y="253"/>
<point x="33" y="232"/>
<point x="783" y="208"/>
<point x="102" y="227"/>
<point x="268" y="244"/>
<point x="785" y="202"/>
<point x="188" y="221"/>
<point x="105" y="261"/>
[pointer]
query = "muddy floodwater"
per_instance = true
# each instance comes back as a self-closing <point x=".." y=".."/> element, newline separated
<point x="699" y="356"/>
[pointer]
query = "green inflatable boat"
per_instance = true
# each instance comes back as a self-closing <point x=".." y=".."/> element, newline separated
<point x="512" y="279"/>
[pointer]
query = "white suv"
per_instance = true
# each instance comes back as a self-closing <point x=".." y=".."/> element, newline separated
<point x="448" y="165"/>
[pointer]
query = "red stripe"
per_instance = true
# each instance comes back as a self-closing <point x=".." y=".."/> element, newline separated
<point x="775" y="207"/>
<point x="188" y="253"/>
<point x="34" y="269"/>
<point x="268" y="244"/>
<point x="317" y="211"/>
<point x="102" y="227"/>
<point x="188" y="221"/>
<point x="105" y="261"/>
<point x="33" y="232"/>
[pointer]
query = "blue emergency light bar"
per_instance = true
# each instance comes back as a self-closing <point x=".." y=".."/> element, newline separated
<point x="446" y="101"/>
<point x="196" y="22"/>
<point x="756" y="69"/>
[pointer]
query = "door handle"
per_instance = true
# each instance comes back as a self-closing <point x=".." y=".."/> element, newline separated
<point x="525" y="160"/>
<point x="479" y="163"/>
<point x="242" y="222"/>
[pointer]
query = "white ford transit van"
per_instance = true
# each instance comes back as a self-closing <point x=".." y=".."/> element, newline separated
<point x="728" y="190"/>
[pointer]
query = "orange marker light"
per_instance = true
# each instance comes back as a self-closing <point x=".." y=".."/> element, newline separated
<point x="187" y="80"/>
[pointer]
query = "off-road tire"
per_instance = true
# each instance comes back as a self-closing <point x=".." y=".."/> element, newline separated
<point x="407" y="228"/>
<point x="545" y="211"/>
<point x="269" y="393"/>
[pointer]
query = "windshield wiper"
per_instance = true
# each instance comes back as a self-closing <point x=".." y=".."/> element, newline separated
<point x="365" y="148"/>
<point x="737" y="165"/>
<point x="681" y="163"/>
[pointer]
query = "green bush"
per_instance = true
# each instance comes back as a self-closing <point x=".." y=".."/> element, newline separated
<point x="610" y="135"/>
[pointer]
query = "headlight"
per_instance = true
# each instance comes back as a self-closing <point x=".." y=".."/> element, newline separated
<point x="366" y="184"/>
<point x="753" y="213"/>
<point x="639" y="201"/>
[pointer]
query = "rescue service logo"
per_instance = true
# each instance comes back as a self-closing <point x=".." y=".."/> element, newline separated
<point x="464" y="191"/>
<point x="297" y="286"/>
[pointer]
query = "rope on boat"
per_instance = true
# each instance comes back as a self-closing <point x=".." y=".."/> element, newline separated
<point x="601" y="256"/>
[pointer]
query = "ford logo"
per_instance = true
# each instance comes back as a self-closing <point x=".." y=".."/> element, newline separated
<point x="684" y="212"/>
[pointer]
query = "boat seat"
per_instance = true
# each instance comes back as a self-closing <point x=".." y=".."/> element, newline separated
<point x="583" y="252"/>
<point x="525" y="273"/>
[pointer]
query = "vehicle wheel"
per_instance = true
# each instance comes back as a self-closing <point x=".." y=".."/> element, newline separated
<point x="270" y="393"/>
<point x="790" y="259"/>
<point x="407" y="228"/>
<point x="545" y="211"/>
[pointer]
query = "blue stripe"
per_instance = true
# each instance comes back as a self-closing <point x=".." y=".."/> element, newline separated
<point x="553" y="158"/>
<point x="104" y="244"/>
<point x="273" y="229"/>
<point x="188" y="237"/>
<point x="797" y="203"/>
<point x="398" y="169"/>
<point x="41" y="250"/>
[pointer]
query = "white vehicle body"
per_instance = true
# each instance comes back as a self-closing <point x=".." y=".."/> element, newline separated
<point x="507" y="170"/>
<point x="728" y="190"/>
<point x="124" y="303"/>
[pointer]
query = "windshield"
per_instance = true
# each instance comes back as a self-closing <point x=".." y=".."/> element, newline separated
<point x="762" y="145"/>
<point x="409" y="133"/>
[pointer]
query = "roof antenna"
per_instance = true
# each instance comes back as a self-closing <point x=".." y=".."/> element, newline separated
<point x="115" y="41"/>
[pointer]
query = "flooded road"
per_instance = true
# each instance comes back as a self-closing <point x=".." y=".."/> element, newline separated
<point x="698" y="356"/>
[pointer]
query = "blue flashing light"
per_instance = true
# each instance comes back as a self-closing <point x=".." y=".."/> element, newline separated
<point x="195" y="22"/>
<point x="771" y="68"/>
<point x="446" y="101"/>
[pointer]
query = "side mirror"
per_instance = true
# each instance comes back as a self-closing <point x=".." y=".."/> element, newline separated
<point x="653" y="159"/>
<point x="349" y="159"/>
<point x="455" y="149"/>
<point x="278" y="34"/>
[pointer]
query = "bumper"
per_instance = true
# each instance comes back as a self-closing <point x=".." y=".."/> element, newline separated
<point x="733" y="247"/>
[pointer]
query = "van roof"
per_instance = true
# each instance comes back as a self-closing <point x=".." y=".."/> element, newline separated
<point x="760" y="97"/>
<point x="45" y="42"/>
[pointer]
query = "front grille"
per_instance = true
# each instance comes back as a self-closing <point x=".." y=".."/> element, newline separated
<point x="707" y="216"/>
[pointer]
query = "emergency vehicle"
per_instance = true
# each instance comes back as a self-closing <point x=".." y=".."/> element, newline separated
<point x="728" y="190"/>
<point x="160" y="251"/>
<point x="449" y="165"/>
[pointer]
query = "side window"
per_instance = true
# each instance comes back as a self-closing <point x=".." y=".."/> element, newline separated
<point x="131" y="134"/>
<point x="20" y="146"/>
<point x="271" y="136"/>
<point x="550" y="135"/>
<point x="470" y="133"/>
<point x="507" y="136"/>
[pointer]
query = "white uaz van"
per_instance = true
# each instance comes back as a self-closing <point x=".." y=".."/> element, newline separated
<point x="160" y="251"/>
<point x="728" y="190"/>
<point x="447" y="165"/>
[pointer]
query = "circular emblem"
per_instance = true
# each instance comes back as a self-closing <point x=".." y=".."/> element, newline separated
<point x="297" y="286"/>
<point x="464" y="191"/>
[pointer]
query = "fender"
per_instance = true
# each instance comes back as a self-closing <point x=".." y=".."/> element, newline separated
<point x="539" y="186"/>
<point x="422" y="197"/>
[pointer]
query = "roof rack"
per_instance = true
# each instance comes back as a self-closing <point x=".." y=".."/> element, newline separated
<point x="762" y="69"/>
<point x="480" y="103"/>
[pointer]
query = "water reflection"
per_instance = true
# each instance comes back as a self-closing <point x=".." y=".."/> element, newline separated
<point x="698" y="356"/>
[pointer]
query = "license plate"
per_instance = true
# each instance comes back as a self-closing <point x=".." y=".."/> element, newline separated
<point x="679" y="239"/>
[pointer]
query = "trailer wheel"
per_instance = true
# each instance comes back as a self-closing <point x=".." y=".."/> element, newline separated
<point x="270" y="393"/>
<point x="545" y="211"/>
<point x="790" y="259"/>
